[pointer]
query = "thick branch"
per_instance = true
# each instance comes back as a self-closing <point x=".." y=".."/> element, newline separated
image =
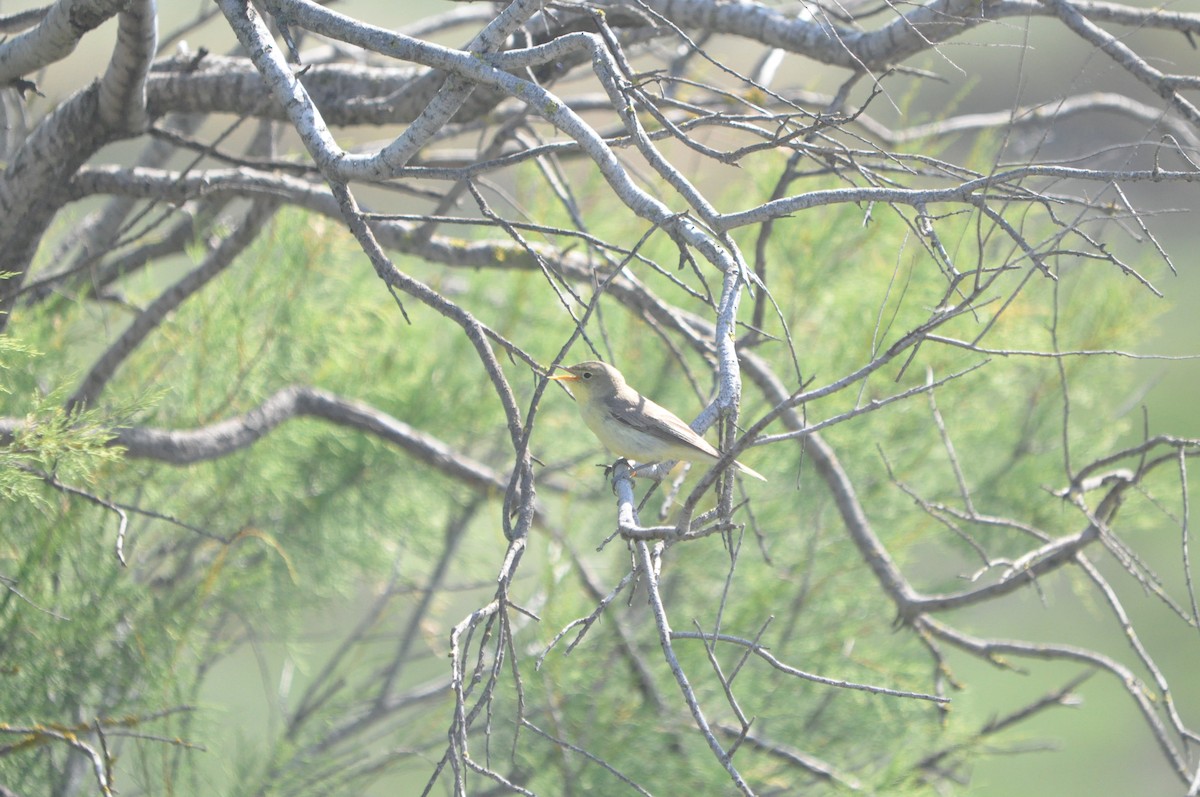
<point x="184" y="447"/>
<point x="55" y="36"/>
<point x="123" y="87"/>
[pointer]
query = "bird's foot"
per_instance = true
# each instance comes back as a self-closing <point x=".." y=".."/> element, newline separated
<point x="611" y="472"/>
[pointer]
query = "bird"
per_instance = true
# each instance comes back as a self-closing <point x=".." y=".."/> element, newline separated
<point x="631" y="425"/>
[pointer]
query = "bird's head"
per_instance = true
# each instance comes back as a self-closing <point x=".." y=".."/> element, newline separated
<point x="593" y="379"/>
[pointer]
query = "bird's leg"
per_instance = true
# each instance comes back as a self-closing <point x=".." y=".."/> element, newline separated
<point x="610" y="471"/>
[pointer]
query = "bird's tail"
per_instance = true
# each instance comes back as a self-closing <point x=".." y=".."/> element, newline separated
<point x="749" y="471"/>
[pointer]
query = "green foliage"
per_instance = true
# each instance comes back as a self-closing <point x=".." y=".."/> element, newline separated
<point x="48" y="441"/>
<point x="846" y="297"/>
<point x="260" y="546"/>
<point x="244" y="547"/>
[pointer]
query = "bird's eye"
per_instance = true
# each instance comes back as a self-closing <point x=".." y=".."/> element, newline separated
<point x="587" y="374"/>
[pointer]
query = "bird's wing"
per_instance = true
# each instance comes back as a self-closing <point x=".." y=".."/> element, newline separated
<point x="630" y="410"/>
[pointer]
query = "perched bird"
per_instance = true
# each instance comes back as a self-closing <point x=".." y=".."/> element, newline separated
<point x="631" y="425"/>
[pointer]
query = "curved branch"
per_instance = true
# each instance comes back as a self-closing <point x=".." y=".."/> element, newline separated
<point x="31" y="189"/>
<point x="226" y="437"/>
<point x="1121" y="53"/>
<point x="963" y="192"/>
<point x="1040" y="114"/>
<point x="1138" y="690"/>
<point x="123" y="87"/>
<point x="916" y="31"/>
<point x="339" y="165"/>
<point x="55" y="36"/>
<point x="185" y="447"/>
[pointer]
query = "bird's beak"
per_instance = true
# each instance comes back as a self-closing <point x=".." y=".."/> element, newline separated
<point x="567" y="377"/>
